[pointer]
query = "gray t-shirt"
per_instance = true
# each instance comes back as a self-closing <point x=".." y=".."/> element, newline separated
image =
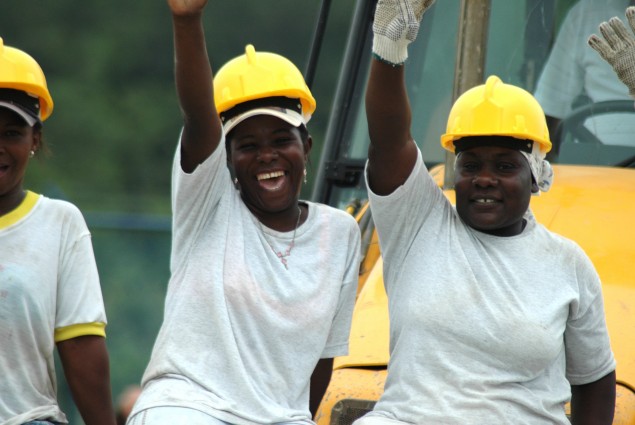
<point x="242" y="334"/>
<point x="483" y="329"/>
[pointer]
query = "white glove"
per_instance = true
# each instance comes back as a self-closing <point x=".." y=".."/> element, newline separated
<point x="619" y="47"/>
<point x="395" y="26"/>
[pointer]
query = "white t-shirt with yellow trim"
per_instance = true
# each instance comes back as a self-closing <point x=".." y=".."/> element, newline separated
<point x="49" y="292"/>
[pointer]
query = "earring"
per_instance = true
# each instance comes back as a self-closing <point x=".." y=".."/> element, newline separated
<point x="31" y="154"/>
<point x="305" y="181"/>
<point x="236" y="181"/>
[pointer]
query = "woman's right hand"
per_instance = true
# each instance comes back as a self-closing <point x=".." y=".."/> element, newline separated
<point x="187" y="7"/>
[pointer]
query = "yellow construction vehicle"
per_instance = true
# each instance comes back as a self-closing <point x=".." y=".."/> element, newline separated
<point x="592" y="200"/>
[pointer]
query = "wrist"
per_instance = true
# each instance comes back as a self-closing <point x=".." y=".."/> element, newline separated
<point x="382" y="60"/>
<point x="390" y="51"/>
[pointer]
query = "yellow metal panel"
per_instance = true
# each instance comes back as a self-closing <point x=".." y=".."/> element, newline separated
<point x="624" y="407"/>
<point x="368" y="344"/>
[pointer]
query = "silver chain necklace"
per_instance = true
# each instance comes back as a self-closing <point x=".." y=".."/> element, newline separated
<point x="283" y="256"/>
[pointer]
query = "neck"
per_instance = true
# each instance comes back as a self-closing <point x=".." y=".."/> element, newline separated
<point x="284" y="221"/>
<point x="11" y="200"/>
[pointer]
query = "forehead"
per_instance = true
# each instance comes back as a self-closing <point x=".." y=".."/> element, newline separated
<point x="261" y="126"/>
<point x="262" y="122"/>
<point x="490" y="152"/>
<point x="7" y="116"/>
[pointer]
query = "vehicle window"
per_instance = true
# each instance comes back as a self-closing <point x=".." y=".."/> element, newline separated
<point x="432" y="59"/>
<point x="589" y="111"/>
<point x="520" y="39"/>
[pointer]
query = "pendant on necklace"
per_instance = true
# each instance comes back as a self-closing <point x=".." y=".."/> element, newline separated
<point x="282" y="256"/>
<point x="287" y="252"/>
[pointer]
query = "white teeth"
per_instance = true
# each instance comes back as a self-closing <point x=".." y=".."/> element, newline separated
<point x="273" y="175"/>
<point x="485" y="201"/>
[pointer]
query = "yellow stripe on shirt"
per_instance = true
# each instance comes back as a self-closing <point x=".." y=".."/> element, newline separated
<point x="81" y="329"/>
<point x="22" y="210"/>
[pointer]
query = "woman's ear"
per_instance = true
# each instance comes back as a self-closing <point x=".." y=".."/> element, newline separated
<point x="308" y="144"/>
<point x="37" y="138"/>
<point x="232" y="174"/>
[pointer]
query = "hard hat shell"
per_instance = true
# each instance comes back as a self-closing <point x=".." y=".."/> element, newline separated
<point x="258" y="75"/>
<point x="497" y="109"/>
<point x="20" y="71"/>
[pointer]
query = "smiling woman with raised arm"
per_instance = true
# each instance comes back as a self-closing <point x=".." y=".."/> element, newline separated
<point x="494" y="319"/>
<point x="262" y="284"/>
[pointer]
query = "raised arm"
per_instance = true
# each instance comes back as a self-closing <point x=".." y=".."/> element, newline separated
<point x="193" y="77"/>
<point x="392" y="151"/>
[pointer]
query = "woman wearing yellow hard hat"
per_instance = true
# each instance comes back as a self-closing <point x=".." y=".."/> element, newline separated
<point x="494" y="319"/>
<point x="49" y="287"/>
<point x="263" y="284"/>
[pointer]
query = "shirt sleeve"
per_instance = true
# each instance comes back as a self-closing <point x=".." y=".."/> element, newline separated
<point x="195" y="195"/>
<point x="588" y="348"/>
<point x="80" y="307"/>
<point x="394" y="214"/>
<point x="337" y="342"/>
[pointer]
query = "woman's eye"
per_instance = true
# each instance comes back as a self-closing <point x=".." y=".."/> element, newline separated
<point x="469" y="166"/>
<point x="506" y="166"/>
<point x="11" y="134"/>
<point x="283" y="140"/>
<point x="246" y="146"/>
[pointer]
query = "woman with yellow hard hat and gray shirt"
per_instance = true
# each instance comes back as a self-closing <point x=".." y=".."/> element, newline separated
<point x="494" y="319"/>
<point x="262" y="284"/>
<point x="49" y="287"/>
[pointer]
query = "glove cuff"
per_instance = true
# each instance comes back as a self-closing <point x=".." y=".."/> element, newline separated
<point x="390" y="51"/>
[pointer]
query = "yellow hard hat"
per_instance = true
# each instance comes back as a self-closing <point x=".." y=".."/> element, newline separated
<point x="497" y="109"/>
<point x="19" y="71"/>
<point x="258" y="75"/>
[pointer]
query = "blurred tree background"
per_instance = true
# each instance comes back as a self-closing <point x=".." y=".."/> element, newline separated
<point x="112" y="135"/>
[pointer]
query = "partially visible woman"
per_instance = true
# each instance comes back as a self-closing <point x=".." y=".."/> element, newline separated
<point x="49" y="286"/>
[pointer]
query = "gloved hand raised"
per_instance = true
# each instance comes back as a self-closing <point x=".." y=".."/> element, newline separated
<point x="618" y="48"/>
<point x="395" y="26"/>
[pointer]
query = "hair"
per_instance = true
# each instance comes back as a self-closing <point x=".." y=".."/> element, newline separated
<point x="44" y="148"/>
